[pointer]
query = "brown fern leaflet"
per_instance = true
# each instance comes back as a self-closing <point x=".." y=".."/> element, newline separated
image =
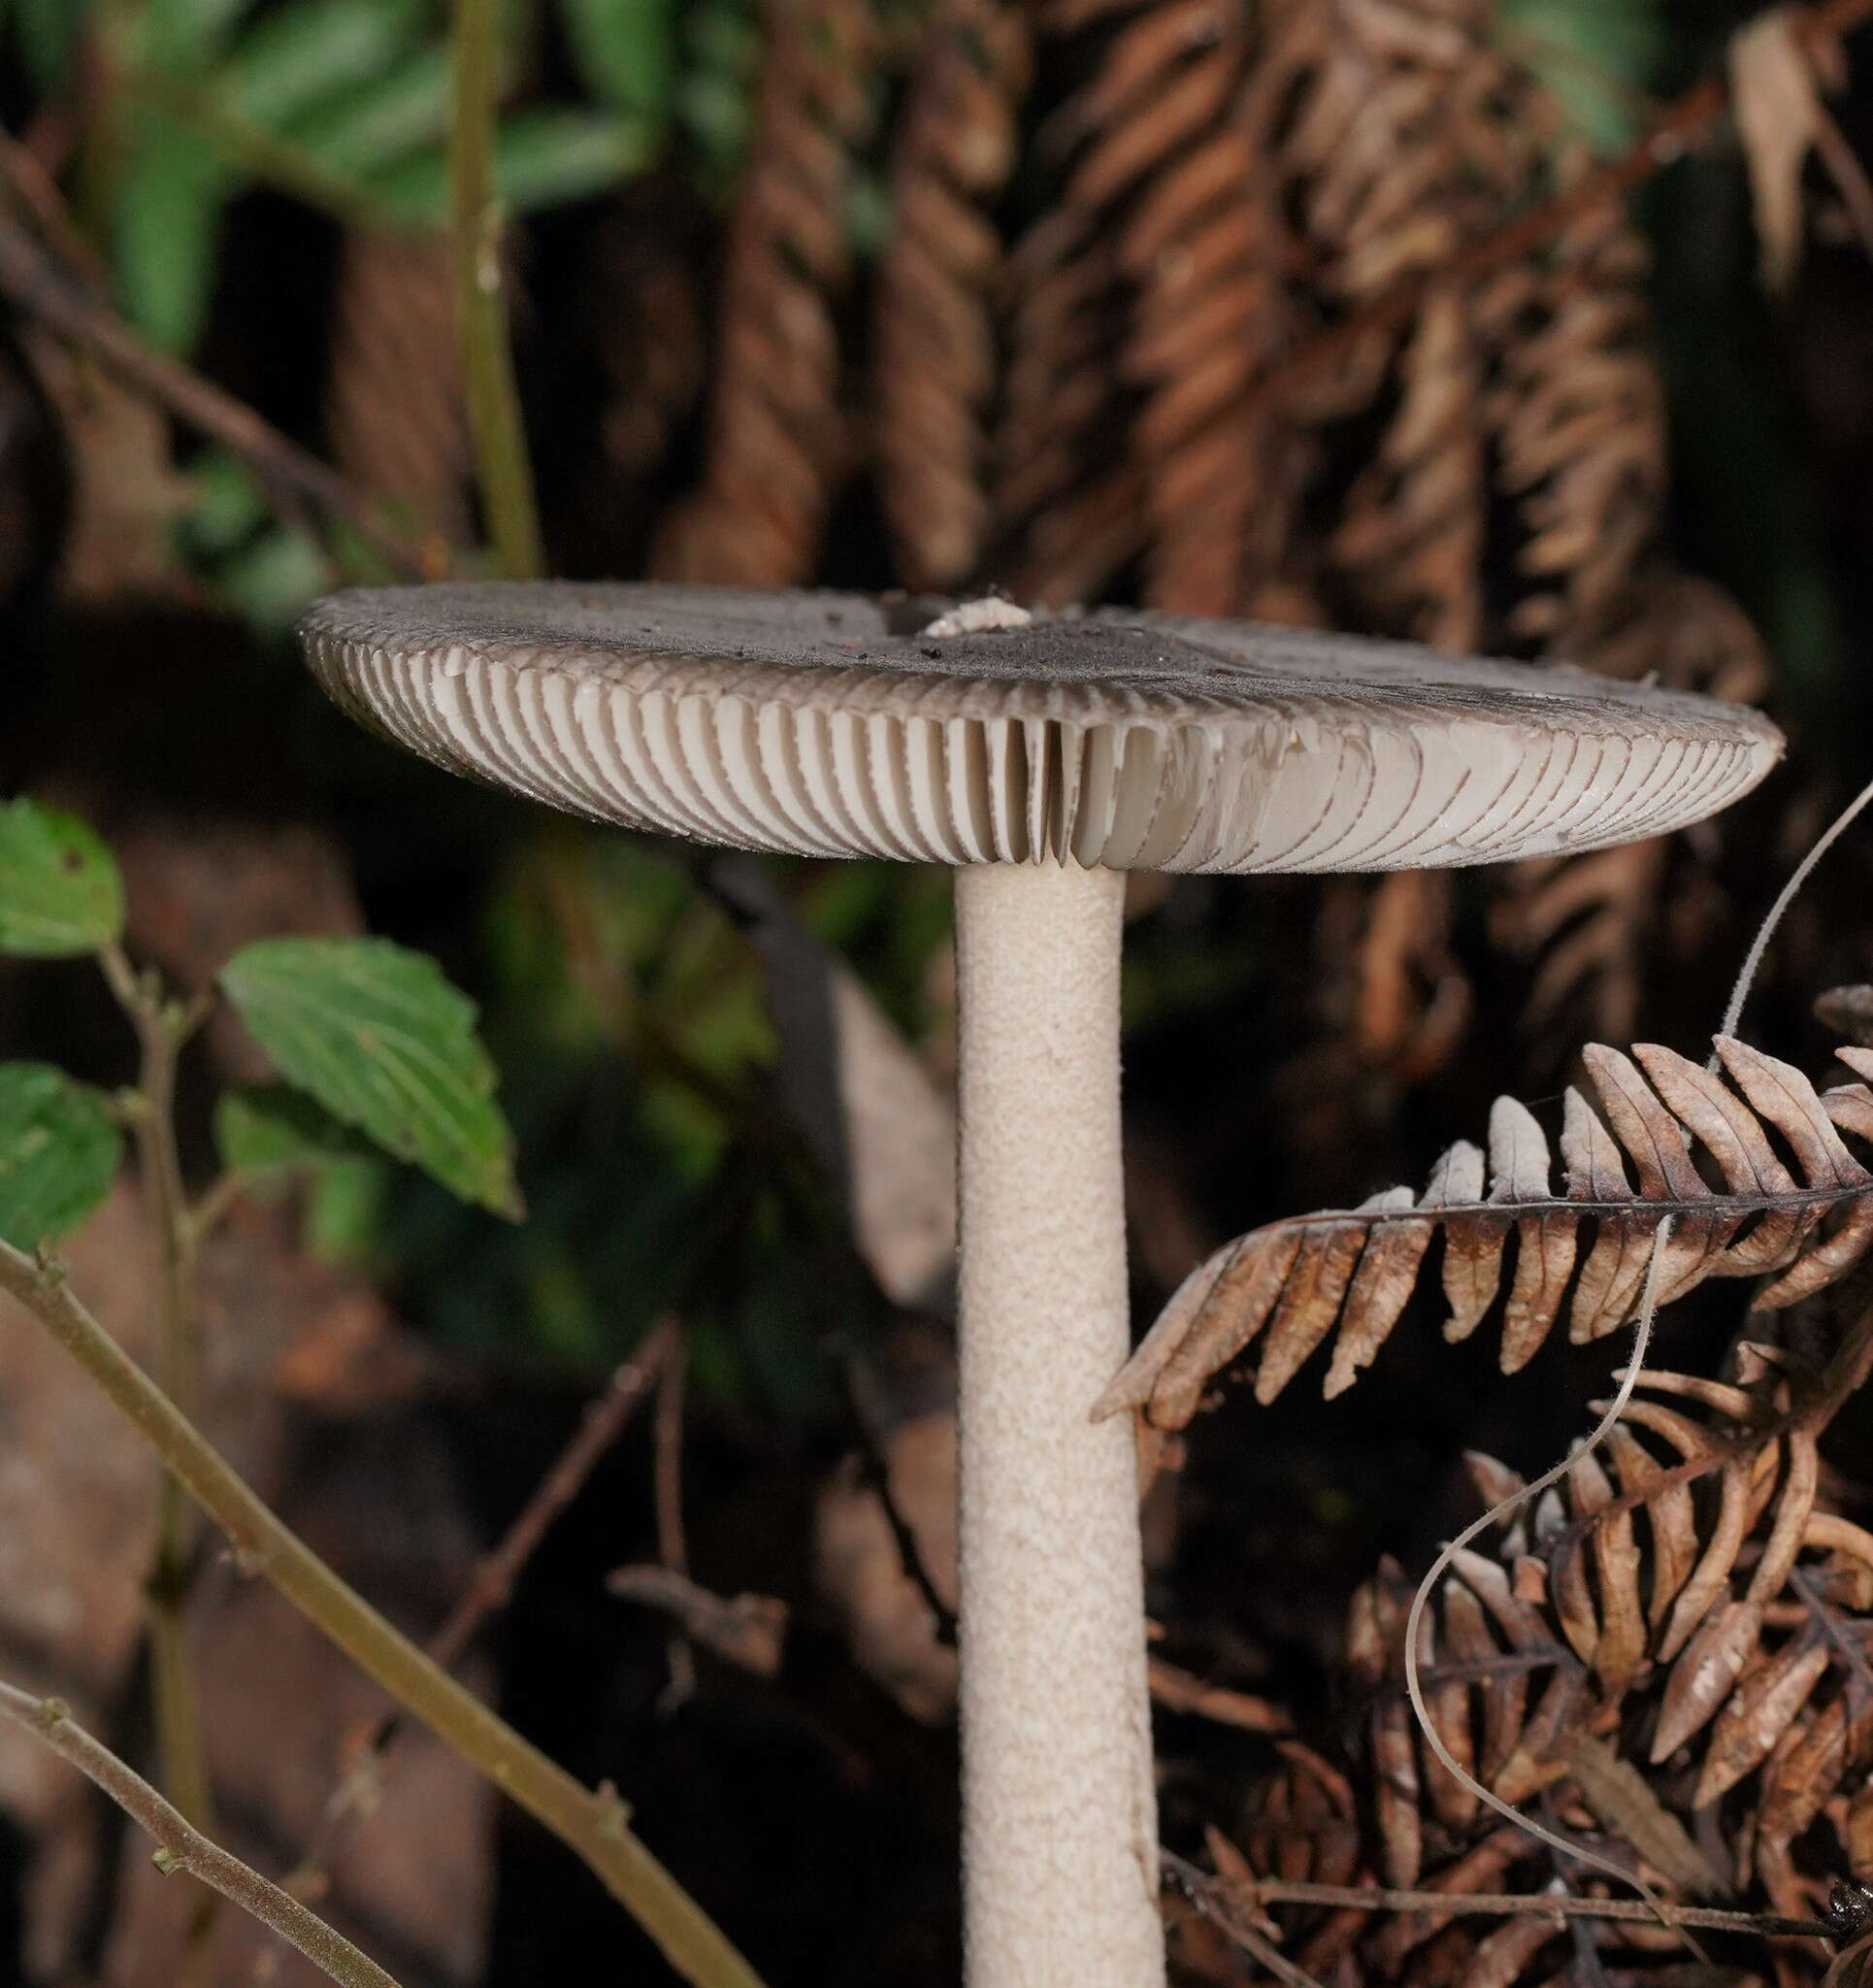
<point x="1666" y="1657"/>
<point x="778" y="445"/>
<point x="1294" y="1283"/>
<point x="936" y="352"/>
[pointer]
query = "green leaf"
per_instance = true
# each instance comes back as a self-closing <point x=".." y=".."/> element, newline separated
<point x="715" y="97"/>
<point x="371" y="128"/>
<point x="61" y="893"/>
<point x="541" y="158"/>
<point x="626" y="53"/>
<point x="268" y="580"/>
<point x="299" y="57"/>
<point x="185" y="35"/>
<point x="378" y="1035"/>
<point x="166" y="227"/>
<point x="270" y="1128"/>
<point x="58" y="1154"/>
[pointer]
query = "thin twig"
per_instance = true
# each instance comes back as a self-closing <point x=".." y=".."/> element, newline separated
<point x="861" y="1391"/>
<point x="1832" y="1630"/>
<point x="1179" y="1690"/>
<point x="502" y="474"/>
<point x="1668" y="138"/>
<point x="257" y="153"/>
<point x="181" y="1846"/>
<point x="1278" y="1891"/>
<point x="1212" y="1897"/>
<point x="666" y="1500"/>
<point x="491" y="1585"/>
<point x="162" y="1027"/>
<point x="36" y="283"/>
<point x="592" y="1825"/>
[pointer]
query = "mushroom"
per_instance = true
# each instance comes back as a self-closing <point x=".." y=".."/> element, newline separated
<point x="1042" y="756"/>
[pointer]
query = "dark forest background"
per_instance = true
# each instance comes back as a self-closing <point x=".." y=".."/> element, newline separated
<point x="1532" y="327"/>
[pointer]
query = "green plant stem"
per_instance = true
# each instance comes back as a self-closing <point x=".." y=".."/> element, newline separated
<point x="593" y="1824"/>
<point x="162" y="1027"/>
<point x="261" y="154"/>
<point x="179" y="1846"/>
<point x="502" y="474"/>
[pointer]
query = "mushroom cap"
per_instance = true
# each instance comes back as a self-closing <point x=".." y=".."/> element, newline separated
<point x="837" y="725"/>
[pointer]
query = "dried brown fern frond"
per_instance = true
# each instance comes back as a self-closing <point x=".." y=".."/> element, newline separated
<point x="937" y="355"/>
<point x="1407" y="127"/>
<point x="1579" y="426"/>
<point x="1523" y="408"/>
<point x="1585" y="921"/>
<point x="1398" y="149"/>
<point x="644" y="321"/>
<point x="1205" y="252"/>
<point x="1664" y="1658"/>
<point x="1063" y="494"/>
<point x="1410" y="999"/>
<point x="1804" y="1220"/>
<point x="1066" y="500"/>
<point x="393" y="403"/>
<point x="1416" y="518"/>
<point x="777" y="445"/>
<point x="1147" y="302"/>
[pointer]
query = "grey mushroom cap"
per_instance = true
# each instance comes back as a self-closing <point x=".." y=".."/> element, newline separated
<point x="837" y="725"/>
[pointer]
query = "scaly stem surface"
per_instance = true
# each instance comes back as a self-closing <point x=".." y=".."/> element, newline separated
<point x="593" y="1824"/>
<point x="1059" y="1813"/>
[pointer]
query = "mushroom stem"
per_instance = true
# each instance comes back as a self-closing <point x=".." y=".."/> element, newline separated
<point x="1058" y="1810"/>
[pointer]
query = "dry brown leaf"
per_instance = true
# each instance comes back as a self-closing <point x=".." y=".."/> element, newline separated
<point x="1701" y="1678"/>
<point x="1178" y="1690"/>
<point x="1622" y="1801"/>
<point x="1775" y="95"/>
<point x="1763" y="1708"/>
<point x="1852" y="1969"/>
<point x="859" y="1564"/>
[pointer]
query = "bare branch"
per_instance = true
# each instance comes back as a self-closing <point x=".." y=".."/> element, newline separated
<point x="40" y="285"/>
<point x="593" y="1824"/>
<point x="179" y="1846"/>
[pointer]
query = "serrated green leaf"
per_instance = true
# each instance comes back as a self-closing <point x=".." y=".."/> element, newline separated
<point x="270" y="1128"/>
<point x="626" y="53"/>
<point x="380" y="1036"/>
<point x="166" y="226"/>
<point x="299" y="57"/>
<point x="61" y="893"/>
<point x="58" y="1154"/>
